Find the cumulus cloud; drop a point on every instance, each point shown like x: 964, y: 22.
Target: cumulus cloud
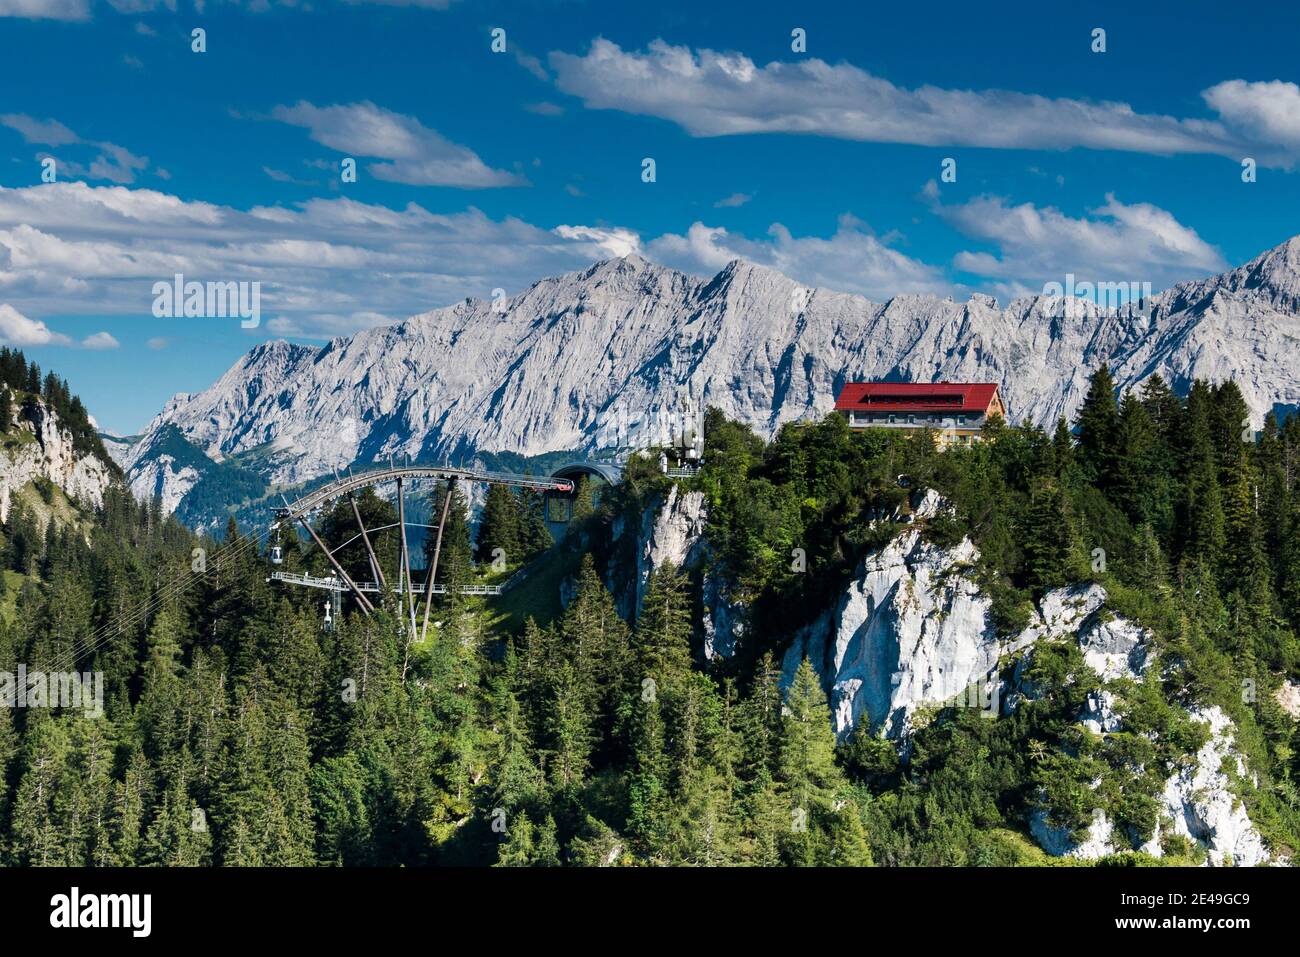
x: 717, y: 94
x: 1267, y: 114
x: 99, y: 341
x: 327, y: 266
x: 853, y: 259
x: 18, y: 330
x: 413, y: 153
x: 1116, y: 242
x: 610, y: 243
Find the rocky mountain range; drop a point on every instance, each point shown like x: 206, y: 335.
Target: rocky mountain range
x: 608, y: 357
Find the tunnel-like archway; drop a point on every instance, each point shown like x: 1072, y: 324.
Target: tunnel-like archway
x: 559, y: 504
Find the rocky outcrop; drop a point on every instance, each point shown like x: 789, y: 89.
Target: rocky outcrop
x: 43, y: 449
x: 912, y: 632
x: 1288, y: 697
x: 725, y: 618
x: 670, y: 532
x: 911, y: 629
x: 1198, y: 803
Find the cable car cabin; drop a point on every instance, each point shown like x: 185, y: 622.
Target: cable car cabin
x: 277, y: 557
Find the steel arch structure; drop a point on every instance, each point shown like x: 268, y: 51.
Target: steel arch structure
x: 342, y: 485
x: 405, y: 588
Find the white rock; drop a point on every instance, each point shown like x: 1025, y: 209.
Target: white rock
x: 1057, y: 841
x: 1288, y: 696
x: 83, y: 478
x: 670, y: 533
x: 1114, y: 649
x: 1200, y: 803
x: 911, y: 629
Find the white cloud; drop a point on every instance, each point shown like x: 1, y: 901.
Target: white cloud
x: 18, y: 330
x: 614, y: 243
x: 46, y: 9
x: 851, y: 260
x: 544, y: 109
x: 1116, y: 242
x: 414, y: 154
x: 717, y: 94
x: 735, y: 199
x: 112, y: 162
x: 327, y: 266
x: 99, y: 341
x: 1266, y: 113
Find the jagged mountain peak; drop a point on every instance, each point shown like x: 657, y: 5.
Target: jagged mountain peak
x: 574, y: 361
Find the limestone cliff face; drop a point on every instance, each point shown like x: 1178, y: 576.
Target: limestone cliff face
x: 912, y: 632
x: 911, y: 629
x: 672, y: 532
x: 44, y: 449
x: 1197, y: 803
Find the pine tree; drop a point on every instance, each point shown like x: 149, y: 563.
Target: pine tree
x: 595, y: 640
x: 568, y: 730
x: 519, y: 849
x: 649, y: 804
x: 1047, y: 538
x: 584, y: 502
x: 500, y: 527
x: 1063, y: 451
x: 661, y: 645
x: 807, y: 750
x: 1139, y: 488
x: 847, y: 841
x: 534, y: 535
x: 1098, y: 424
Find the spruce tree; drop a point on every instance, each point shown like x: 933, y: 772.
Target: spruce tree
x: 1098, y: 425
x: 661, y: 645
x: 500, y: 527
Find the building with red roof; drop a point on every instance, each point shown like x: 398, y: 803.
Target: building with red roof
x: 956, y: 411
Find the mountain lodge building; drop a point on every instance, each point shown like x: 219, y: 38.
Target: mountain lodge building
x: 956, y: 411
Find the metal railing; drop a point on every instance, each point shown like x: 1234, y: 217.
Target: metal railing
x: 337, y: 584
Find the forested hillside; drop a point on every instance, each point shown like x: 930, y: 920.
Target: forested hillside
x: 239, y: 730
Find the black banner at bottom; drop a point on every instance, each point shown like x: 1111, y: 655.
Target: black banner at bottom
x: 337, y: 906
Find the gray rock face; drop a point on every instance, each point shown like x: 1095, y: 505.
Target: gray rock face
x: 910, y: 630
x: 45, y: 450
x: 1200, y: 804
x: 603, y: 357
x: 670, y: 533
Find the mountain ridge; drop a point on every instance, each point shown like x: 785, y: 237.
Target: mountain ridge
x: 575, y: 360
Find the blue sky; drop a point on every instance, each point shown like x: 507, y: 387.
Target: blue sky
x: 481, y: 170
